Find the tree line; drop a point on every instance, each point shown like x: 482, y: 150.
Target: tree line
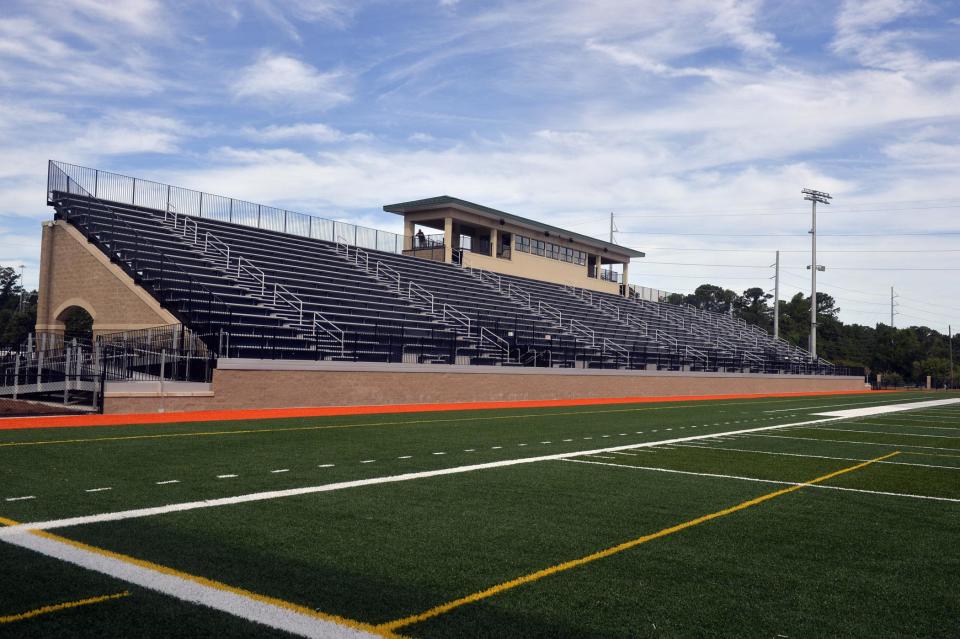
x: 900, y: 355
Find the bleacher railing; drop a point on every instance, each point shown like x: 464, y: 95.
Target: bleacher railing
x: 175, y: 289
x: 124, y: 189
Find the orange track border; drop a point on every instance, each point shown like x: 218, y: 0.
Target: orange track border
x: 78, y: 421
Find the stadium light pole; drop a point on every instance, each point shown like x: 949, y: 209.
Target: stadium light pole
x: 822, y: 198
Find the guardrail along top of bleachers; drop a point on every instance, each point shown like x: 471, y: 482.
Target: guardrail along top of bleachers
x: 124, y: 189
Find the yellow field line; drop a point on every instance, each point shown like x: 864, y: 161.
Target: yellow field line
x: 203, y: 581
x: 540, y: 574
x: 63, y: 606
x: 341, y: 426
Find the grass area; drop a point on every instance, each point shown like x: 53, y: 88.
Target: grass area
x: 874, y: 559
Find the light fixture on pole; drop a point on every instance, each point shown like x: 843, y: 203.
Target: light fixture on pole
x: 822, y: 198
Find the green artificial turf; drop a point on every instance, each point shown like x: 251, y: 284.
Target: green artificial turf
x: 815, y: 562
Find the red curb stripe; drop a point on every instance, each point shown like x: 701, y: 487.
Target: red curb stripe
x: 78, y: 421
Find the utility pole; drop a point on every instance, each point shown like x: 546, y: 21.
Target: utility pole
x: 822, y: 198
x: 776, y: 297
x: 612, y: 228
x: 22, y: 291
x: 950, y: 344
x: 893, y: 305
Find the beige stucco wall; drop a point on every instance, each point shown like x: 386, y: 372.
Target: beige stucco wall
x: 540, y: 268
x: 523, y: 264
x: 73, y: 272
x: 371, y: 384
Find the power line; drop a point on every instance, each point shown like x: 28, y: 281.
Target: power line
x: 949, y: 308
x: 885, y: 268
x: 795, y: 268
x: 899, y: 234
x: 733, y: 250
x: 782, y: 213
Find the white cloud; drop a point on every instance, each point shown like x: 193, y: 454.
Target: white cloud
x: 281, y: 78
x: 631, y: 58
x: 286, y: 13
x: 862, y: 32
x: 313, y: 132
x: 131, y: 132
x: 38, y: 57
x: 142, y: 17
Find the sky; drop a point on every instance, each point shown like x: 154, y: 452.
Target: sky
x: 695, y: 122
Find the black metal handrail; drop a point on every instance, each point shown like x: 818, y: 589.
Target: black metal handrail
x: 170, y: 278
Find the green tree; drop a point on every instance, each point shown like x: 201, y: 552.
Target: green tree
x: 18, y: 308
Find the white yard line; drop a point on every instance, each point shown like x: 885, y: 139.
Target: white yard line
x: 169, y: 481
x: 885, y: 432
x: 770, y: 452
x: 923, y: 419
x: 766, y: 481
x: 292, y: 492
x: 908, y: 425
x: 24, y: 498
x: 851, y: 441
x: 97, y: 490
x: 240, y: 605
x: 357, y: 483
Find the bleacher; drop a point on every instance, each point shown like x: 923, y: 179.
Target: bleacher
x: 254, y: 292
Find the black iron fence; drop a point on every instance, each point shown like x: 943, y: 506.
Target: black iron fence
x: 46, y: 376
x: 498, y: 342
x: 165, y: 353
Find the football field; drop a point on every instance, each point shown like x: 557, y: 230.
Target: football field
x: 834, y: 515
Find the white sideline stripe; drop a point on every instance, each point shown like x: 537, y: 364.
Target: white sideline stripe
x: 190, y: 591
x: 766, y: 481
x: 874, y: 402
x: 851, y: 441
x: 281, y: 470
x: 880, y: 410
x: 169, y: 481
x: 389, y: 479
x: 25, y: 497
x: 97, y: 490
x: 326, y: 465
x: 770, y: 452
x: 226, y: 476
x: 356, y: 483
